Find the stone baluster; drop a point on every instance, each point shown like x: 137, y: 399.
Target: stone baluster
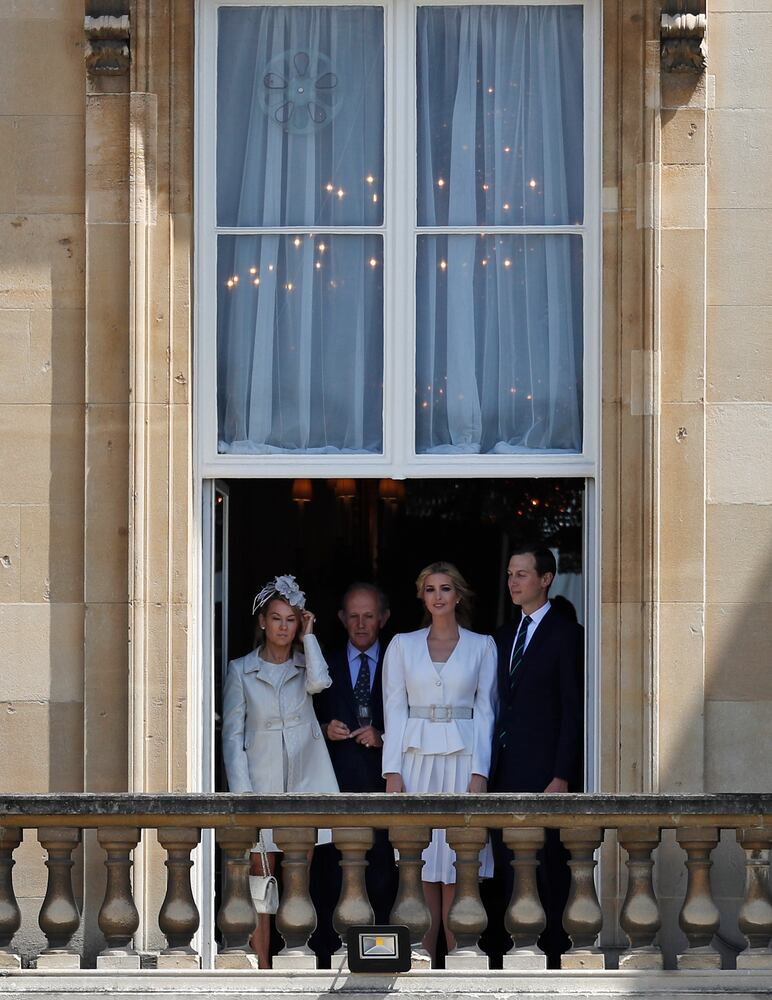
x: 525, y: 918
x: 296, y: 919
x: 699, y: 916
x: 178, y: 917
x: 10, y: 914
x: 410, y: 908
x: 59, y: 917
x: 236, y: 917
x: 467, y: 918
x: 118, y: 917
x: 640, y: 918
x: 583, y: 917
x: 353, y: 905
x: 755, y: 918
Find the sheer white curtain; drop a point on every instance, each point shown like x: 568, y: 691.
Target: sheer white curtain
x: 300, y: 143
x: 500, y: 143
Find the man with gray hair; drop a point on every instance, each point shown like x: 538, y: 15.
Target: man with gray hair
x: 350, y: 713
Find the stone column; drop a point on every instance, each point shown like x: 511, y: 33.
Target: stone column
x: 178, y: 917
x: 10, y: 914
x: 467, y: 918
x: 640, y: 918
x: 699, y: 916
x: 755, y: 919
x: 296, y: 919
x: 353, y: 906
x: 409, y: 907
x: 236, y: 917
x: 583, y: 917
x: 59, y: 917
x: 118, y: 917
x: 525, y: 918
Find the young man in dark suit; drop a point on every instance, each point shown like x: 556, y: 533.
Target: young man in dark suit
x: 350, y: 713
x: 539, y: 730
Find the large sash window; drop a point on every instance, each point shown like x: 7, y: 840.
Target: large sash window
x: 397, y: 235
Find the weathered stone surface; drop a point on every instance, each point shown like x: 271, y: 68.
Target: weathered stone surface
x: 737, y: 39
x: 739, y: 634
x: 29, y: 633
x: 316, y: 985
x: 739, y: 468
x: 724, y: 766
x: 682, y: 503
x: 739, y: 266
x: 739, y: 376
x: 47, y: 458
x: 683, y: 136
x: 407, y: 810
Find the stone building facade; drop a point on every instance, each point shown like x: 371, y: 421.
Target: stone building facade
x: 100, y: 489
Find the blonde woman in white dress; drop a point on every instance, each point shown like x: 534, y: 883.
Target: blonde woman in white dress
x: 439, y: 690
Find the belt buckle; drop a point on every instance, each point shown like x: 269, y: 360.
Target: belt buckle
x: 440, y: 713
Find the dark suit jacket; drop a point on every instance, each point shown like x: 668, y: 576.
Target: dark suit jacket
x: 538, y: 734
x: 357, y: 768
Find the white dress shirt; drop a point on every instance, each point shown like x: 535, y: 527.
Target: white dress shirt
x: 354, y: 662
x: 536, y: 617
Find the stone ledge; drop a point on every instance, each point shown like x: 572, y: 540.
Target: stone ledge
x: 223, y: 809
x: 241, y: 985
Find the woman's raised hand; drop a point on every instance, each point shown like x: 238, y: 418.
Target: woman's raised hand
x: 308, y: 623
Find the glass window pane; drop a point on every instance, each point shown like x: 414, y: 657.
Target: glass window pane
x: 499, y: 344
x: 500, y: 115
x: 300, y: 116
x: 300, y: 344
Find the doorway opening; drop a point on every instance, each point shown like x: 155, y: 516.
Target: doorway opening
x: 331, y: 532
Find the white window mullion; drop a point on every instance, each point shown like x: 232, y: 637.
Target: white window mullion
x: 400, y: 216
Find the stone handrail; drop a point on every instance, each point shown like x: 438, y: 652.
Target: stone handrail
x: 581, y: 820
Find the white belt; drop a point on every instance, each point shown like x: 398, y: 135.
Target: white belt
x: 440, y: 713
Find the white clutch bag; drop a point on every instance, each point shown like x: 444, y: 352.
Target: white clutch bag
x: 264, y: 888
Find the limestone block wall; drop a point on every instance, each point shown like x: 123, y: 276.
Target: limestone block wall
x: 42, y: 411
x: 738, y: 389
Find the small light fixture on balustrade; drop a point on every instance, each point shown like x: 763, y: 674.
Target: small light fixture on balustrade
x: 302, y: 491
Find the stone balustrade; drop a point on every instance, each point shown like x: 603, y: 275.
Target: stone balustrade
x: 121, y: 821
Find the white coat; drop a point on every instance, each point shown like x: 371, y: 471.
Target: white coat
x: 265, y: 725
x: 466, y: 680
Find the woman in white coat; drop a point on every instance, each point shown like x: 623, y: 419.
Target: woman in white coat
x: 439, y: 690
x: 271, y: 739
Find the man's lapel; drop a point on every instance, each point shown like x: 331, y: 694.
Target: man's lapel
x: 343, y: 683
x: 505, y: 639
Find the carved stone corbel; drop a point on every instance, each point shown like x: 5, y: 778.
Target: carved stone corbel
x: 682, y: 32
x: 108, y: 34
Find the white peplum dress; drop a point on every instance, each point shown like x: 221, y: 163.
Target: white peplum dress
x: 439, y: 756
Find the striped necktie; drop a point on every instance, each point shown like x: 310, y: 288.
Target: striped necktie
x: 519, y: 650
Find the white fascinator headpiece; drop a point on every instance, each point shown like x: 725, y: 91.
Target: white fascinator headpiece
x: 285, y: 587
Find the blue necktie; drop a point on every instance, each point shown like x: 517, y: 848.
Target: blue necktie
x: 519, y: 650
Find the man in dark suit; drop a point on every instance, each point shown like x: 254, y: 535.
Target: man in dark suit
x: 350, y: 713
x: 538, y: 733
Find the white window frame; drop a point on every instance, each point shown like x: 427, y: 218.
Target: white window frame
x: 399, y: 459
